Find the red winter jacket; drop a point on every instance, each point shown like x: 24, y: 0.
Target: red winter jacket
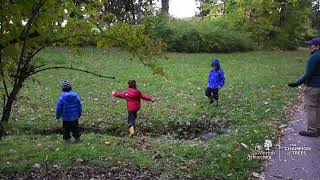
x: 133, y: 97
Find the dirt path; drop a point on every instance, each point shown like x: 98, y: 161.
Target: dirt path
x: 298, y: 157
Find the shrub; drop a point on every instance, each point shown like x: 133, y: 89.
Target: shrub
x: 198, y: 35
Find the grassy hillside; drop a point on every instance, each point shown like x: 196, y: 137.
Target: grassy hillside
x: 169, y: 141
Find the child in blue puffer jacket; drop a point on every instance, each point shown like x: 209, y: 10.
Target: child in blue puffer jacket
x: 215, y: 81
x: 69, y: 108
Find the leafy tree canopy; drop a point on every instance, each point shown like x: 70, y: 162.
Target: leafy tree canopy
x: 27, y: 27
x: 281, y: 23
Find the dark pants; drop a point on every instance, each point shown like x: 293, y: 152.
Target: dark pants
x: 132, y: 115
x: 71, y: 126
x: 212, y: 94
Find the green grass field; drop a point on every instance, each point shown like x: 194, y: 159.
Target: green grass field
x: 250, y: 111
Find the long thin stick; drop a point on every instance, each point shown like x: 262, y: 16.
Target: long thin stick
x: 70, y: 68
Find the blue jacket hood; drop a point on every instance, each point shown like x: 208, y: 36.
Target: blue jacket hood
x: 216, y: 63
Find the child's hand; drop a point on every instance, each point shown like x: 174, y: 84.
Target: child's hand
x: 113, y: 92
x: 293, y: 85
x: 155, y: 100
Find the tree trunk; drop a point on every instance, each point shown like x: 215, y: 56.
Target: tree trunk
x: 8, y: 106
x: 283, y: 13
x: 1, y: 130
x: 165, y: 6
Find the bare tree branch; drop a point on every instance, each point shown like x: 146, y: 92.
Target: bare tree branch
x: 25, y: 32
x: 3, y: 101
x: 3, y: 78
x: 35, y: 11
x: 4, y: 84
x: 39, y: 66
x: 70, y: 68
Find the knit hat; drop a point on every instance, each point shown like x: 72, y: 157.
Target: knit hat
x: 66, y: 84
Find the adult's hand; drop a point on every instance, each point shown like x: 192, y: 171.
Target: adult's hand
x: 293, y: 85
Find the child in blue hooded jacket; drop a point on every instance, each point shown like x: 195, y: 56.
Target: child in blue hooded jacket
x: 69, y: 108
x: 215, y: 81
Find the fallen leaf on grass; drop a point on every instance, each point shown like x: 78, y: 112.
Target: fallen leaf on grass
x: 283, y: 126
x: 108, y: 159
x: 244, y: 145
x: 156, y: 155
x: 107, y: 143
x: 257, y: 175
x: 36, y: 166
x: 79, y: 161
x: 193, y: 145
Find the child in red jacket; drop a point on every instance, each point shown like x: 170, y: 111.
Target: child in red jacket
x: 132, y: 95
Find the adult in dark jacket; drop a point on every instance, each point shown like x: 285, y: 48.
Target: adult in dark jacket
x: 311, y: 79
x: 69, y: 108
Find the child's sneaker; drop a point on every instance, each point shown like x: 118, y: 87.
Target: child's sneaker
x: 131, y: 132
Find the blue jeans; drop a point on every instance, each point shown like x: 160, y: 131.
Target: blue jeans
x: 132, y: 115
